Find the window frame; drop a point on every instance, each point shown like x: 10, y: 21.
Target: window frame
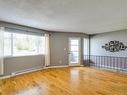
x: 12, y: 47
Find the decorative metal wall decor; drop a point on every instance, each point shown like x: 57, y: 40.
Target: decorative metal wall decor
x: 114, y: 46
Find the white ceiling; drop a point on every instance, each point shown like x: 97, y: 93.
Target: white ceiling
x: 87, y: 16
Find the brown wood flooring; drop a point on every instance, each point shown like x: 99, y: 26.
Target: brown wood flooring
x: 66, y: 81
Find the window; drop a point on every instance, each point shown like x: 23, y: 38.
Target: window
x: 7, y: 44
x: 17, y: 44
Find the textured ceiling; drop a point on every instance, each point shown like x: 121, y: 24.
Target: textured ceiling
x: 87, y: 16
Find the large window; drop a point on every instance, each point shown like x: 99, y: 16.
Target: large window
x: 16, y: 44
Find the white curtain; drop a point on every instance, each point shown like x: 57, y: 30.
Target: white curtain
x: 86, y: 46
x: 47, y: 50
x: 1, y: 50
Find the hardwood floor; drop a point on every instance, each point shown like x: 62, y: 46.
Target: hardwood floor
x: 66, y: 81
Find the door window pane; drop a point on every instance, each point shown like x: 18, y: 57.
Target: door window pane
x: 74, y: 48
x: 74, y: 42
x: 74, y: 57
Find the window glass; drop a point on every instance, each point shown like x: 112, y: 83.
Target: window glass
x: 24, y: 44
x: 16, y: 44
x: 41, y: 45
x: 7, y: 44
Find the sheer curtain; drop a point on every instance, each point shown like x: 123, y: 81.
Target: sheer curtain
x: 47, y: 50
x: 1, y: 50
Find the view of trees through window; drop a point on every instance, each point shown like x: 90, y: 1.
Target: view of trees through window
x: 23, y: 44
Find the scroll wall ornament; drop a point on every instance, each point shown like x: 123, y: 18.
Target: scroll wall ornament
x: 114, y: 46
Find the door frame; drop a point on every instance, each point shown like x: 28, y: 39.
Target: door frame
x: 78, y: 64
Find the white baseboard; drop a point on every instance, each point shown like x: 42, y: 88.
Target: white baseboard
x: 76, y: 65
x: 55, y: 67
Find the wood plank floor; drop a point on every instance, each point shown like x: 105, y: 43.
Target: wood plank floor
x: 66, y: 81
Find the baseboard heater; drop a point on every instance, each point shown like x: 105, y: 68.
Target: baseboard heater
x: 26, y: 71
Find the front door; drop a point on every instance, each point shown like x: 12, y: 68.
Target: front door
x: 74, y: 51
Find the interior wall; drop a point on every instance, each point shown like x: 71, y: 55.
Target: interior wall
x: 59, y: 56
x: 99, y: 40
x: 13, y: 64
x: 60, y: 48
